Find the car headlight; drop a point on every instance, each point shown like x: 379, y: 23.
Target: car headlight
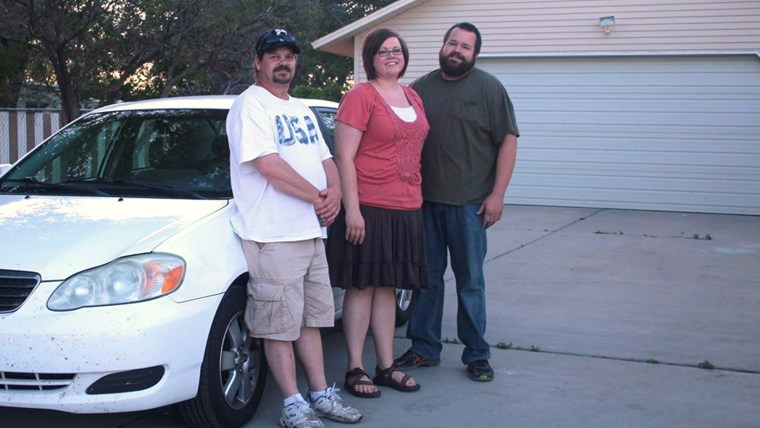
x: 127, y: 280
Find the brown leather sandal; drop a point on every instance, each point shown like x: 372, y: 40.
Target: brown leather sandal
x: 354, y: 379
x: 385, y: 378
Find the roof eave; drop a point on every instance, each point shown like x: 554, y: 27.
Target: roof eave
x: 341, y: 41
x: 343, y: 47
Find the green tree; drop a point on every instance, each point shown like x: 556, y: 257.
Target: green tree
x: 124, y: 49
x: 325, y: 75
x: 195, y: 47
x: 53, y: 29
x: 110, y: 50
x: 13, y: 56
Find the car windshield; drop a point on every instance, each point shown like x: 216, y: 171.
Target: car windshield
x: 151, y: 153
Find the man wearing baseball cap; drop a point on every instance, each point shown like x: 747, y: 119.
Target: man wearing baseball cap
x: 287, y: 191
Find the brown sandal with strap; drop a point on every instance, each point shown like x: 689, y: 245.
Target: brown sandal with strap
x: 354, y: 379
x: 385, y: 378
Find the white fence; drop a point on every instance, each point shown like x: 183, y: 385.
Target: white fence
x: 22, y: 130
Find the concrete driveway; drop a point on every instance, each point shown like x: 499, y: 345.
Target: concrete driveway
x: 598, y: 318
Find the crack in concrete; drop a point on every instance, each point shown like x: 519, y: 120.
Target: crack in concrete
x: 634, y: 360
x: 572, y: 223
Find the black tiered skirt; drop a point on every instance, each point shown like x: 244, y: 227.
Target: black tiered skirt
x: 392, y: 254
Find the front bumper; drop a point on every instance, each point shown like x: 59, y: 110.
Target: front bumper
x: 61, y: 354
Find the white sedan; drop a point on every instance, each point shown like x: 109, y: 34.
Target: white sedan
x: 122, y: 284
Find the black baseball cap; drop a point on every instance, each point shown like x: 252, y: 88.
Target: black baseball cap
x: 275, y: 38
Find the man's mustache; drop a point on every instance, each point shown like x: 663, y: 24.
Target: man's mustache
x: 456, y: 55
x: 282, y: 67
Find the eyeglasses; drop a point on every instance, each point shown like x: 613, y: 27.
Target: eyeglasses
x: 386, y: 52
x: 271, y: 37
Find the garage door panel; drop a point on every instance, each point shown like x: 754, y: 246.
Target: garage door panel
x: 681, y: 92
x: 650, y: 143
x: 536, y: 131
x: 643, y: 117
x: 703, y: 186
x: 642, y: 199
x: 668, y: 133
x: 716, y: 204
x: 592, y: 169
x: 616, y: 80
x: 655, y: 105
x: 663, y: 159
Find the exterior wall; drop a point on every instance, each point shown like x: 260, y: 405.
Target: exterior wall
x: 543, y: 27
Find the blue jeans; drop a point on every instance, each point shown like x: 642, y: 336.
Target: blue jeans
x: 459, y: 230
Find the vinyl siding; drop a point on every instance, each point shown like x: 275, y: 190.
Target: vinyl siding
x: 572, y: 27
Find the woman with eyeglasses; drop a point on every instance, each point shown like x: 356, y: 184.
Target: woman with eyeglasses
x: 377, y: 243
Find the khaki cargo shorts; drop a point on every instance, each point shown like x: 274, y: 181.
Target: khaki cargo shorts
x: 289, y: 288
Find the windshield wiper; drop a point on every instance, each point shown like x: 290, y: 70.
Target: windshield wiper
x: 163, y: 188
x: 31, y: 182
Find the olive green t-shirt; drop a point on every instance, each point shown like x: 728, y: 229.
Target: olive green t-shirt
x: 469, y: 119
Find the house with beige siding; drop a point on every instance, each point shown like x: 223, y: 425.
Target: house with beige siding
x: 620, y: 104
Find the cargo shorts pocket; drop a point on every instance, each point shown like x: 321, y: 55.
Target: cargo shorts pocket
x: 267, y: 311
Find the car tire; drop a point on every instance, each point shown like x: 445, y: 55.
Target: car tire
x: 403, y: 306
x: 233, y: 372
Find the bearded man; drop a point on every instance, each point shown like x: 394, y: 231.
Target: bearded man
x: 287, y: 191
x: 467, y: 162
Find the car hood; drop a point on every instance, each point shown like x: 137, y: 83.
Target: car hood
x: 58, y: 236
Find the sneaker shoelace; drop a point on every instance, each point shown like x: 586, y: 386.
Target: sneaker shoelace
x: 335, y: 402
x: 331, y: 394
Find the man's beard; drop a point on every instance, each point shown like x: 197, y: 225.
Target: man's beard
x: 282, y: 80
x: 453, y: 70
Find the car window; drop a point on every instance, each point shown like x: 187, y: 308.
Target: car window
x: 140, y: 153
x: 326, y: 116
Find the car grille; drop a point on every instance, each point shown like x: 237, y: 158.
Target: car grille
x: 15, y: 287
x: 11, y: 381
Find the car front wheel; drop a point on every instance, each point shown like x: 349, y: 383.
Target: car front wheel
x: 403, y: 306
x: 233, y: 373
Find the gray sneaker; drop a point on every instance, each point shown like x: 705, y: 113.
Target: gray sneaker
x: 331, y: 406
x: 299, y: 415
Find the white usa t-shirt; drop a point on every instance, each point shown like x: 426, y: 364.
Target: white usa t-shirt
x: 259, y: 124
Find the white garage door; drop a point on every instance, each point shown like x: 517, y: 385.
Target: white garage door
x: 658, y: 133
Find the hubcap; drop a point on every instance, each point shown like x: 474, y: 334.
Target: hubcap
x: 237, y: 362
x: 403, y: 299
